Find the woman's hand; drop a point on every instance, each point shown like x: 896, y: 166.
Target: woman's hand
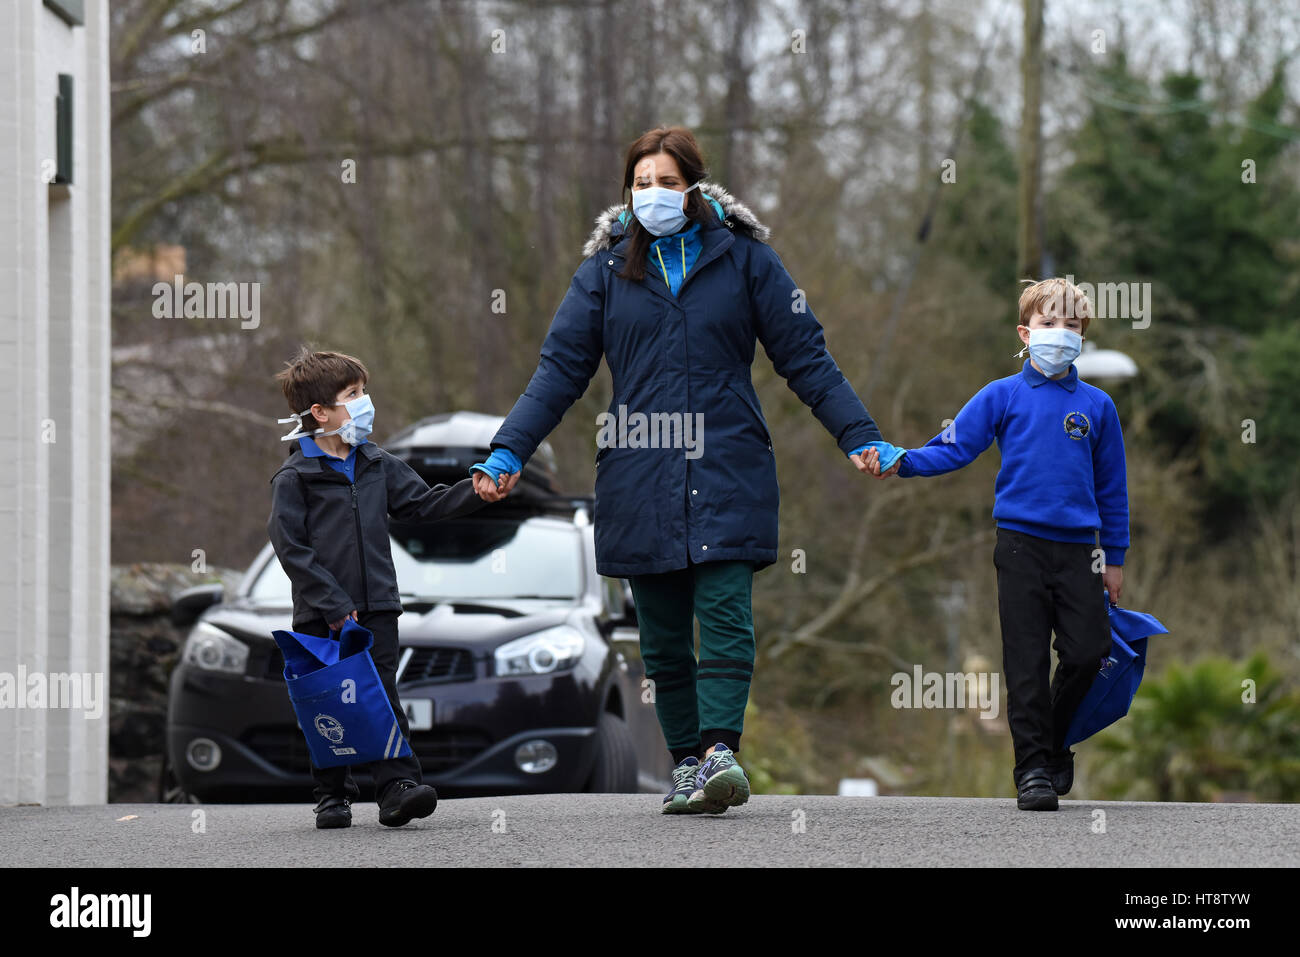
x: 490, y: 491
x: 869, y: 461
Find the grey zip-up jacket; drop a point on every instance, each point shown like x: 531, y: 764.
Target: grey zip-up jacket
x: 331, y: 535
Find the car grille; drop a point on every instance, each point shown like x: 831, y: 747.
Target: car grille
x: 439, y: 664
x: 427, y: 665
x: 439, y: 750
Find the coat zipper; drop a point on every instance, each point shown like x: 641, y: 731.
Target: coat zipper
x: 361, y: 548
x: 721, y: 247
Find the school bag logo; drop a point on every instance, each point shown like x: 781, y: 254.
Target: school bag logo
x: 1076, y: 425
x: 329, y: 728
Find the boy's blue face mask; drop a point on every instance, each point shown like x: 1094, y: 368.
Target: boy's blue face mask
x: 354, y: 431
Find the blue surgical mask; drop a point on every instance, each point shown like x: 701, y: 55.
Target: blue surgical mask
x: 1053, y: 349
x: 659, y: 209
x: 354, y: 431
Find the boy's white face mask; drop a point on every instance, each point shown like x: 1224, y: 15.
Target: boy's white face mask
x: 1053, y: 349
x: 354, y: 431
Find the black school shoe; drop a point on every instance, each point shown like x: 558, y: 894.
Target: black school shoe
x: 1061, y: 769
x: 1035, y: 792
x: 333, y: 812
x: 406, y: 800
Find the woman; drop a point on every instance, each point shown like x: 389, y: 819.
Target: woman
x: 674, y: 293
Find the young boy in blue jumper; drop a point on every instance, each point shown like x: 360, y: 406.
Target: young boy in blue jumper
x: 1062, y: 482
x: 330, y: 505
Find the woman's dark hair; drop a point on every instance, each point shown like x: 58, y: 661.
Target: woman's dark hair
x: 678, y: 143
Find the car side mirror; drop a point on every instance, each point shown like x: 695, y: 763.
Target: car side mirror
x: 192, y: 602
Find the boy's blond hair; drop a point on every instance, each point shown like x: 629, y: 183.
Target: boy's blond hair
x: 1057, y: 298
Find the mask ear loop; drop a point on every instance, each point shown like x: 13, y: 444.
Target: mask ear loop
x: 297, y: 432
x: 1021, y: 353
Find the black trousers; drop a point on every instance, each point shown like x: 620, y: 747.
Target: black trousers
x: 1045, y: 587
x: 338, y: 781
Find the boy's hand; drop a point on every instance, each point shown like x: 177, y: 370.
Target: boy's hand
x: 490, y: 491
x: 1112, y: 579
x: 338, y: 625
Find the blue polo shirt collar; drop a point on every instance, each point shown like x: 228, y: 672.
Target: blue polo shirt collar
x: 348, y: 466
x: 1036, y: 378
x: 312, y: 450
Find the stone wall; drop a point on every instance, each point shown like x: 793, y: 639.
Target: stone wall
x: 143, y: 647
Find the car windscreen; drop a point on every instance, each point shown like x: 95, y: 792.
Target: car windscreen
x: 469, y: 558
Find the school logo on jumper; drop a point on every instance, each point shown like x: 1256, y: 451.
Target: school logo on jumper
x: 1076, y: 425
x: 329, y: 728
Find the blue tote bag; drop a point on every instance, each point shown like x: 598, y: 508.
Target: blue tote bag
x: 340, y: 702
x: 1112, y: 691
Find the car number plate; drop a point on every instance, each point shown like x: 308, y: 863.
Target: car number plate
x: 419, y: 713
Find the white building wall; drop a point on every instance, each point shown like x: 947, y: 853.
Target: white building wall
x: 54, y: 427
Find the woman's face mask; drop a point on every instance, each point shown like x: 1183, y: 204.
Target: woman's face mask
x: 660, y: 209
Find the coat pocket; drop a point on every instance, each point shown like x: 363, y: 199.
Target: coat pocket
x: 752, y: 405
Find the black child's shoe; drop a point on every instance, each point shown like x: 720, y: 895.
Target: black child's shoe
x: 333, y: 812
x: 406, y: 800
x: 1061, y: 768
x: 1035, y: 792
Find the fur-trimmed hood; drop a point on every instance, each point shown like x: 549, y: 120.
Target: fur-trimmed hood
x: 609, y: 231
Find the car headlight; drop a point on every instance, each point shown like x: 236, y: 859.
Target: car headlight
x: 552, y: 649
x: 210, y: 648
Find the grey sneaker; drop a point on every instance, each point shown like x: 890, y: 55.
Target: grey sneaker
x: 722, y: 783
x: 685, y: 777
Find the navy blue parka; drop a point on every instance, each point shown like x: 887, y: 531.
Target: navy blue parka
x: 659, y: 508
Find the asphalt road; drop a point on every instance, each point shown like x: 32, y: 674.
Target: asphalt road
x: 567, y: 830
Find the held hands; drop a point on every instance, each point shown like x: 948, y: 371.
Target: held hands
x: 494, y: 478
x: 490, y: 491
x: 1112, y: 579
x: 869, y: 461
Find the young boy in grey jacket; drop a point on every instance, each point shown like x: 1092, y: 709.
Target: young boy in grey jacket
x: 330, y: 504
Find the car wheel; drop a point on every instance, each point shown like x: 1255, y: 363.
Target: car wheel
x: 169, y: 788
x: 615, y: 769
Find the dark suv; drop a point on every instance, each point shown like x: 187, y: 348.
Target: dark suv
x: 519, y: 667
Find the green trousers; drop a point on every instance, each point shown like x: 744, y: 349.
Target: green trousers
x: 699, y: 703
